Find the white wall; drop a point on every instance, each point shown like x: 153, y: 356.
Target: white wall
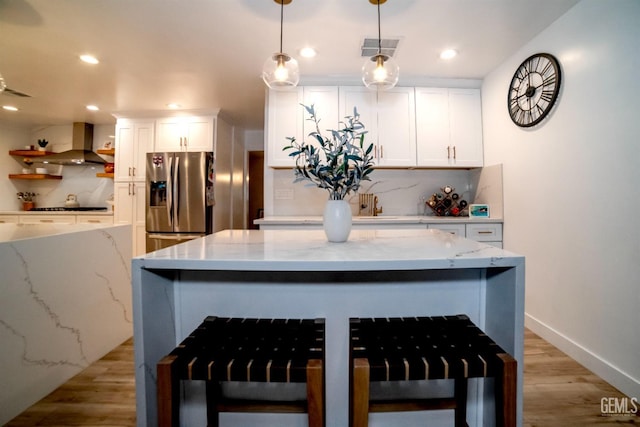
x: 571, y: 188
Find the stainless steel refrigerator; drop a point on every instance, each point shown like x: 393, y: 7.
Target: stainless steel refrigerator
x: 179, y: 197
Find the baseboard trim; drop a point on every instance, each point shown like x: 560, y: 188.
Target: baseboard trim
x: 605, y: 370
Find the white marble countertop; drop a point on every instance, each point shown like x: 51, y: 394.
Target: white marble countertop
x: 386, y: 219
x: 108, y: 212
x: 309, y: 250
x: 13, y: 232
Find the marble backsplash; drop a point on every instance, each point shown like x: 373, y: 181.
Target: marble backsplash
x: 400, y: 192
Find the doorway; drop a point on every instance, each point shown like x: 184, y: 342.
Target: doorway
x: 256, y: 188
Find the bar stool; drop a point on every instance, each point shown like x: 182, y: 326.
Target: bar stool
x: 426, y: 348
x: 233, y: 355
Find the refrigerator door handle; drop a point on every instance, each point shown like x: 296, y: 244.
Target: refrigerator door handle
x: 170, y: 194
x: 176, y: 191
x: 174, y: 237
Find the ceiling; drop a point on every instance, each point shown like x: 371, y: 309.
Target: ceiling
x: 207, y: 54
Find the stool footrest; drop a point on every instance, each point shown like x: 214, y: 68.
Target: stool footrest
x: 430, y: 404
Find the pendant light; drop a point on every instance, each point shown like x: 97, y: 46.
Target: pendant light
x: 281, y: 70
x: 380, y: 72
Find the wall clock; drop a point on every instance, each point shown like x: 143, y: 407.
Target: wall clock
x: 534, y: 89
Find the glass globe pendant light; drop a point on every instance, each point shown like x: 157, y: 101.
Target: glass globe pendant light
x: 380, y: 72
x: 281, y: 70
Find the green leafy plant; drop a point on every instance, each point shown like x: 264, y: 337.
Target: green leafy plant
x: 337, y: 164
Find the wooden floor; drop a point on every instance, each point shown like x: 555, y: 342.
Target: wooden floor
x: 557, y: 392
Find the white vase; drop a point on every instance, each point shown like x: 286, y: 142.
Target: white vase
x: 336, y: 220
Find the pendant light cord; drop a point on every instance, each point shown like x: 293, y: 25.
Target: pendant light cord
x: 379, y: 36
x: 281, y: 21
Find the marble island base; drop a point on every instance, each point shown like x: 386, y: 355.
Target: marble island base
x: 66, y: 302
x: 299, y: 274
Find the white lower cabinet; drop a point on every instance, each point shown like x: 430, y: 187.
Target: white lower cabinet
x: 129, y: 201
x: 9, y: 219
x: 457, y: 229
x: 94, y: 219
x: 47, y: 219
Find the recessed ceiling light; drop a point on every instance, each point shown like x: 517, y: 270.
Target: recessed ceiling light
x: 89, y: 59
x: 92, y: 108
x: 173, y: 106
x: 448, y: 54
x: 10, y: 108
x: 308, y: 52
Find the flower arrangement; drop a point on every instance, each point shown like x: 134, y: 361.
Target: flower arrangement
x: 337, y: 164
x: 42, y: 143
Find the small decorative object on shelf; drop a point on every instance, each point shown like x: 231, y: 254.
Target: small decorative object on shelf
x: 337, y: 164
x: 42, y: 144
x: 447, y: 202
x: 27, y: 200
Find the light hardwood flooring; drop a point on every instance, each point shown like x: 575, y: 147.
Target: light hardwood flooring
x: 557, y: 392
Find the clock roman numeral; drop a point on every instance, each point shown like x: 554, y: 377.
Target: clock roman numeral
x: 547, y: 95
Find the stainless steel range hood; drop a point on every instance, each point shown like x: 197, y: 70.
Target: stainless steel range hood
x: 81, y: 148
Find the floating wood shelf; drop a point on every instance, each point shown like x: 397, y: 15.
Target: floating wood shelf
x: 30, y: 153
x: 109, y: 152
x: 34, y: 176
x: 104, y: 175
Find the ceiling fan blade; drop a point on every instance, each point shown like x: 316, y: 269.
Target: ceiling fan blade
x: 15, y: 93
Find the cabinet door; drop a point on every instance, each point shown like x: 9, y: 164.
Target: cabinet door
x: 284, y: 119
x: 364, y: 100
x: 9, y: 219
x: 325, y: 102
x: 130, y: 208
x: 133, y: 141
x: 466, y: 127
x: 396, y: 127
x: 47, y: 219
x: 188, y: 133
x: 432, y: 127
x: 170, y: 135
x: 198, y: 133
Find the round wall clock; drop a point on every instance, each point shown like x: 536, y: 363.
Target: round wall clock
x: 534, y: 89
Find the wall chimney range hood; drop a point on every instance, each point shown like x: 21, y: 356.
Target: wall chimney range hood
x: 81, y: 148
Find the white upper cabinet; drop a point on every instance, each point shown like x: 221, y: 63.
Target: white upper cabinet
x: 448, y: 127
x: 134, y: 139
x: 284, y: 119
x: 397, y: 127
x: 188, y: 133
x: 389, y: 118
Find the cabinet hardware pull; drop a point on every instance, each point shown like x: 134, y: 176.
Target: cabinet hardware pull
x: 485, y: 232
x: 134, y: 170
x: 129, y: 170
x: 94, y: 221
x: 454, y: 152
x: 382, y: 151
x: 448, y: 152
x: 375, y: 151
x: 46, y: 220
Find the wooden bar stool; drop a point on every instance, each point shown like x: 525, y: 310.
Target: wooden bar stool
x: 426, y: 348
x: 233, y: 355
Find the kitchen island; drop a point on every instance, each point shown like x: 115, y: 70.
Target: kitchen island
x: 296, y: 274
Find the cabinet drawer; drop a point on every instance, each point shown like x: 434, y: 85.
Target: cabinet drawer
x: 457, y: 229
x: 9, y: 219
x: 485, y: 232
x: 47, y: 219
x: 94, y: 219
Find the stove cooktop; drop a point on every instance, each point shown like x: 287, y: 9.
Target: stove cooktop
x: 62, y: 209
